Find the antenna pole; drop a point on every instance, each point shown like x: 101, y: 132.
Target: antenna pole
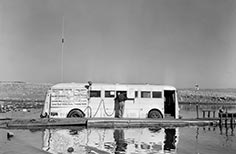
x: 62, y: 50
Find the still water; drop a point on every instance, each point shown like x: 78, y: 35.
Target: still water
x: 182, y: 140
x: 156, y: 140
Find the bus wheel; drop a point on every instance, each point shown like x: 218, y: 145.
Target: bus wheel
x: 154, y: 114
x: 75, y: 114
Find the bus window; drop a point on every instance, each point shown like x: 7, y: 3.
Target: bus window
x: 156, y: 94
x: 145, y: 94
x: 136, y: 94
x: 110, y: 93
x: 95, y: 93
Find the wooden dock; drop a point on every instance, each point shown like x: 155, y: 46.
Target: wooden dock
x: 105, y: 122
x: 115, y: 122
x: 39, y: 123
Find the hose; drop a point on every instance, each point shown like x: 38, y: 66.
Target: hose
x: 90, y: 109
x: 97, y: 108
x: 109, y: 115
x: 102, y: 101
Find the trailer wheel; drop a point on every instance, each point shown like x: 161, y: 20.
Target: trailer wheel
x: 155, y: 114
x: 75, y: 114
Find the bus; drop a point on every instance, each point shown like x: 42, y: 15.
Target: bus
x: 66, y: 100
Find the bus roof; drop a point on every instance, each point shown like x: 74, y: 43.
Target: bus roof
x: 68, y: 85
x: 77, y: 85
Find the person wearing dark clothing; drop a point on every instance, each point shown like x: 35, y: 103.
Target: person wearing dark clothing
x: 116, y: 108
x: 119, y: 105
x: 121, y: 98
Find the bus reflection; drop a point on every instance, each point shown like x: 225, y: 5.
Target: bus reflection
x: 118, y: 140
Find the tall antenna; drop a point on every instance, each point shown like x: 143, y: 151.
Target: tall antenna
x: 62, y: 49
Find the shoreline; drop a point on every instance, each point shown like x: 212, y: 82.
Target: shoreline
x: 180, y: 102
x: 204, y: 103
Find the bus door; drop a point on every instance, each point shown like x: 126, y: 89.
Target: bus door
x: 169, y: 103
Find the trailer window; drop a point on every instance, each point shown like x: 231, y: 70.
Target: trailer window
x: 156, y: 94
x: 145, y: 94
x: 95, y: 93
x: 110, y: 93
x: 136, y: 94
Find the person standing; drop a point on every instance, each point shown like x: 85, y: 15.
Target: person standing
x: 116, y: 108
x: 120, y: 105
x: 122, y: 98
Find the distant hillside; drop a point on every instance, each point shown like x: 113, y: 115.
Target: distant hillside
x: 207, y: 95
x: 23, y: 91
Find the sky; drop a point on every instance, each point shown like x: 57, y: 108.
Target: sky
x: 173, y: 42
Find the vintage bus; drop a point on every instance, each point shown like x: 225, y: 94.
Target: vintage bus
x: 97, y: 100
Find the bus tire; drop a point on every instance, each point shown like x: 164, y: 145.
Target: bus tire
x: 155, y: 114
x: 76, y: 113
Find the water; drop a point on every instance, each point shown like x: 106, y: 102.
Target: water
x: 156, y: 140
x: 182, y: 140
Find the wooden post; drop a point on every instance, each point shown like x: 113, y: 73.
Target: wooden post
x: 226, y: 131
x: 214, y: 112
x: 203, y: 113
x: 197, y: 110
x: 231, y: 121
x: 226, y: 119
x: 220, y: 114
x: 220, y: 122
x: 209, y: 113
x: 220, y: 128
x: 1, y: 107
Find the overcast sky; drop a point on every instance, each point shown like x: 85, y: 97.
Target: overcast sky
x: 174, y: 42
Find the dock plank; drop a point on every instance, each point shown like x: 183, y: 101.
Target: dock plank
x: 96, y: 122
x: 106, y: 122
x: 29, y: 123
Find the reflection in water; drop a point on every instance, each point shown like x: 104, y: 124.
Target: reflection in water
x: 132, y: 140
x: 225, y: 133
x: 169, y: 143
x: 121, y: 146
